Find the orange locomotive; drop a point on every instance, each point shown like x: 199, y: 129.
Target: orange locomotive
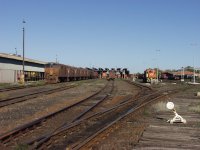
x: 150, y: 75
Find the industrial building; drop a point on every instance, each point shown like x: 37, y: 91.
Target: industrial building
x: 11, y: 68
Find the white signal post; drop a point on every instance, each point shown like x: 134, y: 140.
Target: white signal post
x: 157, y: 64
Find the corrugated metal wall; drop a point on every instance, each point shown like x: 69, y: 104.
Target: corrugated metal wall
x: 20, y: 67
x: 11, y: 69
x: 7, y: 76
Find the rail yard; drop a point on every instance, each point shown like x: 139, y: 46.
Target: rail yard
x: 99, y: 104
x: 67, y: 107
x: 100, y: 75
x: 98, y: 114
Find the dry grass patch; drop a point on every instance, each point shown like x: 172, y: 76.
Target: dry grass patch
x: 3, y: 96
x: 195, y: 108
x: 160, y: 107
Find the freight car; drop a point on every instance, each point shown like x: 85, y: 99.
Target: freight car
x: 55, y: 73
x: 150, y: 75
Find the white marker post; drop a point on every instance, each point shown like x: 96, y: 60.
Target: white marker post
x: 177, y: 118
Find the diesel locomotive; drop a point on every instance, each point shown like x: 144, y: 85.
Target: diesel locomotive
x: 150, y: 75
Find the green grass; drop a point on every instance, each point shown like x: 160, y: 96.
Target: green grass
x: 35, y: 83
x: 3, y: 96
x: 195, y: 108
x: 198, y: 124
x: 159, y: 107
x: 21, y: 147
x: 3, y: 85
x: 146, y: 112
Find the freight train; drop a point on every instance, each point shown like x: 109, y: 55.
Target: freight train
x: 55, y: 73
x: 150, y: 75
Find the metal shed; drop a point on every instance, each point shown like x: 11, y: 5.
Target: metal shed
x: 11, y: 67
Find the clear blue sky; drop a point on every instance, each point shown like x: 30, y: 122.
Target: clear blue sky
x: 104, y: 33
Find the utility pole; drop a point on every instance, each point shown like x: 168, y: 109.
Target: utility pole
x: 194, y: 44
x: 157, y: 64
x: 16, y: 51
x: 56, y: 58
x: 23, y: 29
x: 194, y: 76
x: 194, y: 71
x: 182, y: 76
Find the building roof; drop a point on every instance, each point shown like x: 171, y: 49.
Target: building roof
x: 185, y: 73
x: 18, y: 57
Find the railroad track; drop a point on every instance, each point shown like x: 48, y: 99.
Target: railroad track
x: 19, y: 87
x: 14, y: 134
x: 17, y: 99
x: 11, y: 88
x: 87, y: 104
x: 84, y: 144
x: 77, y: 131
x: 101, y: 133
x: 80, y: 132
x: 144, y: 88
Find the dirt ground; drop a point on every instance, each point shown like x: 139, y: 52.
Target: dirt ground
x: 162, y: 135
x: 17, y: 114
x: 150, y: 130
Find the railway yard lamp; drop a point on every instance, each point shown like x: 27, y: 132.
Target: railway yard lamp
x: 23, y: 29
x: 182, y: 74
x: 157, y: 66
x: 194, y: 76
x: 194, y: 44
x: 157, y: 75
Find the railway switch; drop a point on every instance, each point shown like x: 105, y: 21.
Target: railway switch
x: 177, y: 118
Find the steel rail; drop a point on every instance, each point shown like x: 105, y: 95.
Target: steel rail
x: 20, y: 87
x: 75, y: 121
x: 107, y: 127
x: 67, y: 127
x: 4, y: 138
x: 134, y: 109
x: 76, y: 118
x: 13, y: 100
x: 11, y: 88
